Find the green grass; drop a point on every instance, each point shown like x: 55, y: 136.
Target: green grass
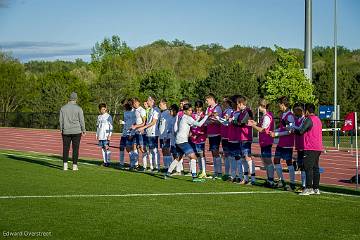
x: 278, y: 215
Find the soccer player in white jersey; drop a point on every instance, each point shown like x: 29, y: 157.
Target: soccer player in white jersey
x: 180, y: 166
x: 140, y: 138
x: 182, y: 141
x: 104, y: 128
x: 152, y: 133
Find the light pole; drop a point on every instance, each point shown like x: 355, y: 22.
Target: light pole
x: 335, y: 65
x: 308, y: 40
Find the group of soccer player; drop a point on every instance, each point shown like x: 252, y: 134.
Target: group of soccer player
x: 182, y: 131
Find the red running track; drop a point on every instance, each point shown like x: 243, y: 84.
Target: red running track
x: 338, y: 166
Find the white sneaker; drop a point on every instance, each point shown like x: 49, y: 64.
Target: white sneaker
x: 316, y: 191
x: 75, y: 167
x: 65, y: 166
x: 307, y: 192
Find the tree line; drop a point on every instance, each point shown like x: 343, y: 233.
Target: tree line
x: 174, y: 70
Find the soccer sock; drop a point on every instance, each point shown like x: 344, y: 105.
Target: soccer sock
x: 246, y: 169
x: 122, y: 157
x: 278, y: 169
x: 215, y: 165
x: 270, y: 172
x: 240, y: 168
x: 252, y: 170
x: 104, y: 155
x: 165, y: 160
x: 158, y: 158
x: 168, y: 161
x: 180, y: 166
x: 227, y: 165
x: 144, y: 159
x: 203, y: 164
x: 233, y: 167
x: 193, y: 167
x: 303, y: 178
x: 131, y: 157
x: 156, y: 162
x: 136, y: 157
x: 173, y: 165
x: 108, y: 155
x: 219, y: 165
x: 150, y: 154
x: 200, y: 164
x: 292, y: 174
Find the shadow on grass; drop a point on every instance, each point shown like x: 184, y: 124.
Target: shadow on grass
x: 327, y: 188
x: 31, y: 160
x: 116, y: 167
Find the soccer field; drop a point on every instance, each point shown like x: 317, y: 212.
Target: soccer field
x: 107, y: 203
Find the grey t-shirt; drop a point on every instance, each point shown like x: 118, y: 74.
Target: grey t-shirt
x: 71, y: 119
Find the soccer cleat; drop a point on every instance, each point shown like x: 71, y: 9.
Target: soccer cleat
x: 269, y: 184
x: 65, y: 166
x: 292, y: 186
x: 121, y: 166
x: 316, y: 191
x: 299, y: 189
x: 244, y: 182
x: 202, y: 175
x: 280, y: 184
x: 75, y: 167
x: 176, y: 174
x: 307, y: 192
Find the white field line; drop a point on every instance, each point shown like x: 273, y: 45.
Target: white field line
x: 158, y: 194
x: 140, y: 194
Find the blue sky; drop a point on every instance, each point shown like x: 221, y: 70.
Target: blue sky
x: 67, y: 29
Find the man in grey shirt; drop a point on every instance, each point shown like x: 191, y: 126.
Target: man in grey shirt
x: 72, y: 127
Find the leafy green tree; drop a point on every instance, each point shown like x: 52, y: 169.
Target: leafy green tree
x: 109, y: 47
x: 14, y: 88
x: 286, y: 78
x: 161, y: 84
x: 229, y: 80
x: 55, y: 89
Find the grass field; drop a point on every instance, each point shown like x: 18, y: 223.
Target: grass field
x: 107, y: 203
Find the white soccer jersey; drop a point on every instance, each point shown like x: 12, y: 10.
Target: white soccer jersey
x: 186, y: 122
x: 153, y: 130
x: 140, y: 114
x: 104, y: 126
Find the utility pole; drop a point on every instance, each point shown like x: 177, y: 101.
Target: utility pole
x: 308, y: 40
